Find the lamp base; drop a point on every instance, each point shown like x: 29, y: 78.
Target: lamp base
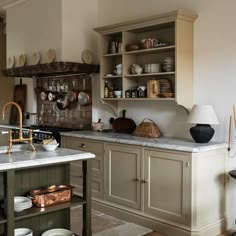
x: 202, y: 133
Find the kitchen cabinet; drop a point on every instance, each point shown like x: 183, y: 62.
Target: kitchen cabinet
x: 166, y: 185
x: 97, y: 165
x: 173, y: 34
x: 177, y: 191
x: 123, y: 172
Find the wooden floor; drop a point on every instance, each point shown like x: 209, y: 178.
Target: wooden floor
x: 228, y: 233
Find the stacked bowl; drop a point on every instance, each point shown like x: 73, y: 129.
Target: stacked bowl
x: 23, y: 232
x: 168, y: 64
x: 22, y: 203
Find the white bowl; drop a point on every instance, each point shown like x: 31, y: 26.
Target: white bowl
x: 118, y: 93
x: 58, y: 232
x: 23, y: 232
x: 50, y: 147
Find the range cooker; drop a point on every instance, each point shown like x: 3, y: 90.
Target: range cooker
x: 43, y: 132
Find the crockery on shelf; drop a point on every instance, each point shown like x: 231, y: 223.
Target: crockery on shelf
x: 35, y: 58
x: 51, y: 55
x: 23, y: 232
x: 22, y: 60
x: 58, y: 232
x: 11, y: 62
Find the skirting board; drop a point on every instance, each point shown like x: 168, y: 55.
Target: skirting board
x: 167, y: 229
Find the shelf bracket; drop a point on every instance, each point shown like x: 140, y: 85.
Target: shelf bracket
x: 113, y: 106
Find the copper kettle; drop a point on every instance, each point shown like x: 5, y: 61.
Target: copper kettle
x: 153, y: 88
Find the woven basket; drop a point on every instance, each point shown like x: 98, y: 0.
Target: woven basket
x: 147, y: 129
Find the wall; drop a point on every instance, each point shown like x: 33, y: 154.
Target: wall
x: 214, y: 53
x: 33, y: 26
x: 214, y: 66
x: 7, y: 84
x: 79, y: 18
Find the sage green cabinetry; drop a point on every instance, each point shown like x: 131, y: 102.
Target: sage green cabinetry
x: 97, y: 165
x: 123, y: 172
x: 177, y: 193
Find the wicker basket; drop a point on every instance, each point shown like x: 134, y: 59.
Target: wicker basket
x: 147, y: 129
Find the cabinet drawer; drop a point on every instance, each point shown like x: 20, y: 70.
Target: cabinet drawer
x: 84, y: 145
x: 97, y: 166
x: 97, y: 184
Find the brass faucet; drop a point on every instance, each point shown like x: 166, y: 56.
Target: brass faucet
x: 20, y: 138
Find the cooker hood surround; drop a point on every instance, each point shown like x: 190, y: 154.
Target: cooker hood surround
x: 51, y: 69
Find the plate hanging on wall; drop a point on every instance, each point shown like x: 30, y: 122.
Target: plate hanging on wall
x: 51, y: 55
x: 22, y: 60
x: 35, y: 58
x: 10, y: 61
x: 87, y: 56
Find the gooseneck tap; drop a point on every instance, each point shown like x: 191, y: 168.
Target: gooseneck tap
x: 20, y: 138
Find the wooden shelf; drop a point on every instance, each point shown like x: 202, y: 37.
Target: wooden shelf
x: 113, y: 76
x: 51, y: 69
x: 112, y: 55
x: 151, y: 50
x: 138, y: 99
x: 34, y: 211
x: 149, y: 74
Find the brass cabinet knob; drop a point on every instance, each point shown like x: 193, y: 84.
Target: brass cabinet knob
x: 137, y: 179
x: 144, y: 181
x: 82, y: 145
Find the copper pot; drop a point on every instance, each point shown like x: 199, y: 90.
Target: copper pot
x: 62, y: 102
x: 43, y: 95
x: 72, y: 95
x: 84, y: 98
x: 52, y: 96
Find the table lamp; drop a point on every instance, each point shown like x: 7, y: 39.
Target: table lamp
x: 203, y: 116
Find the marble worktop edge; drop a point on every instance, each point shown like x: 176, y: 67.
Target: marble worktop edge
x: 23, y: 157
x: 184, y: 145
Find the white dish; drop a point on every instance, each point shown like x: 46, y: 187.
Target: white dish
x: 87, y: 56
x: 10, y: 62
x: 50, y: 147
x: 51, y: 55
x: 22, y: 60
x: 58, y: 232
x: 23, y: 232
x: 35, y: 58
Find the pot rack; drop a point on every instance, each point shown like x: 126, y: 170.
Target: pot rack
x: 51, y: 69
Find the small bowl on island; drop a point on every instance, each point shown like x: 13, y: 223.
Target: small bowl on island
x: 50, y: 144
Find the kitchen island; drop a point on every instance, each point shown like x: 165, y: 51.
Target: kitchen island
x: 24, y: 170
x: 174, y: 186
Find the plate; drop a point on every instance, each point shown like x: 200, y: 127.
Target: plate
x: 35, y: 58
x: 51, y: 55
x: 22, y: 60
x: 87, y: 56
x: 10, y: 62
x: 58, y: 232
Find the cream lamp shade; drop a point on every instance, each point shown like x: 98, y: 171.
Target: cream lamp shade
x: 203, y: 114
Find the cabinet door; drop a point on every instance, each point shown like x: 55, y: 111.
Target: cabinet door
x: 123, y: 174
x: 166, y: 187
x: 77, y: 181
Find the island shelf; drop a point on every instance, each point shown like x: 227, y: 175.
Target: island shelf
x: 29, y: 170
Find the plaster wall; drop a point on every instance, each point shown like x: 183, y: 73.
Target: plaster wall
x: 214, y: 67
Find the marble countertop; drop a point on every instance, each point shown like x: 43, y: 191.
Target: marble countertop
x: 23, y: 157
x: 185, y: 145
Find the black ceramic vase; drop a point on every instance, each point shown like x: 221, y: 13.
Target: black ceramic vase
x: 202, y: 133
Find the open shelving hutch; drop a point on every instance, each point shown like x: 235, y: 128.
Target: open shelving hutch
x: 175, y: 29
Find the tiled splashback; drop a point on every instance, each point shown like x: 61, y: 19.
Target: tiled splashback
x: 75, y: 116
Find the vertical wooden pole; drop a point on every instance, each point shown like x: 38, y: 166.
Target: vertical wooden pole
x: 9, y: 188
x: 87, y: 209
